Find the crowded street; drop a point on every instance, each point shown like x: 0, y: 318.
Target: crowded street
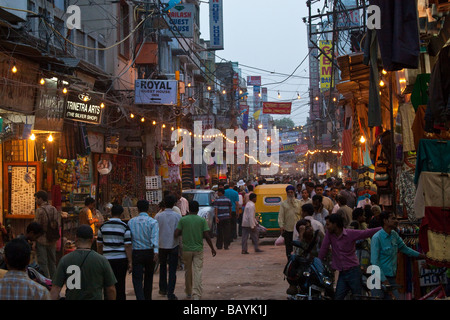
x: 225, y: 158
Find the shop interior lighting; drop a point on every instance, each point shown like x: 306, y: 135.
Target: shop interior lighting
x: 42, y: 81
x: 362, y: 139
x: 131, y: 116
x: 50, y: 138
x: 32, y: 137
x: 64, y: 90
x: 14, y: 69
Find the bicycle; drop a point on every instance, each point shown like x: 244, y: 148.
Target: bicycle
x: 438, y: 292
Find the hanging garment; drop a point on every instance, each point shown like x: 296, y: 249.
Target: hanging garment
x: 406, y: 192
x: 433, y: 190
x: 371, y: 58
x: 398, y: 37
x: 418, y: 125
x: 438, y: 110
x: 407, y: 115
x: 433, y: 155
x: 434, y: 236
x: 347, y: 147
x: 419, y: 95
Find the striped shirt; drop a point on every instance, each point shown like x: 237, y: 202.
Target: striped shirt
x: 114, y: 234
x: 223, y: 206
x: 16, y: 285
x: 144, y: 232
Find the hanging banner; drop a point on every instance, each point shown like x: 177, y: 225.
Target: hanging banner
x: 253, y: 81
x: 301, y: 149
x: 277, y: 107
x: 216, y: 24
x: 325, y: 65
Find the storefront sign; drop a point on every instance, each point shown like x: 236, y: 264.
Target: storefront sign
x: 277, y: 107
x: 84, y: 108
x: 301, y: 149
x: 325, y: 65
x: 112, y: 143
x: 150, y: 91
x: 49, y: 108
x: 216, y: 24
x: 181, y: 20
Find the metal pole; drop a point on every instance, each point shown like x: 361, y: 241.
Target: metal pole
x: 393, y: 151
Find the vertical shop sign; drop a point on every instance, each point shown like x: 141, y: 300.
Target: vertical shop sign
x: 325, y: 65
x: 216, y: 24
x: 181, y: 20
x: 112, y: 143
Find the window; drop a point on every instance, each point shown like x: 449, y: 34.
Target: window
x: 91, y: 53
x: 124, y: 30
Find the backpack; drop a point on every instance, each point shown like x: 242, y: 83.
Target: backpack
x: 52, y: 233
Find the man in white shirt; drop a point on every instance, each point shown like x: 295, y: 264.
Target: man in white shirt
x: 249, y: 225
x: 182, y: 203
x: 168, y: 247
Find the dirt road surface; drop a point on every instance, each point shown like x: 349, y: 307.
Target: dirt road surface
x: 231, y: 275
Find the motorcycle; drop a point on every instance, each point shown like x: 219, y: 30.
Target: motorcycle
x: 312, y: 279
x: 36, y: 276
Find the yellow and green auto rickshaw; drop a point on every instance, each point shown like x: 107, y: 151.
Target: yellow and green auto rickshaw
x: 268, y: 201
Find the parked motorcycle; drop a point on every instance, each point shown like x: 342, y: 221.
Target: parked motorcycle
x: 312, y: 279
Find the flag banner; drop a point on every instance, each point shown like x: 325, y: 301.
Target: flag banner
x: 277, y: 107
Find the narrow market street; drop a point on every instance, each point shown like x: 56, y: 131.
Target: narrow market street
x: 231, y: 275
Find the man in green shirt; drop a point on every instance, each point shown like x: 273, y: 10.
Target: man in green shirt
x: 85, y: 273
x: 193, y: 229
x: 385, y: 245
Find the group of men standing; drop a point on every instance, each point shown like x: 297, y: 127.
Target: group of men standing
x: 134, y: 247
x: 330, y: 217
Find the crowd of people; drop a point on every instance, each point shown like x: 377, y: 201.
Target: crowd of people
x: 332, y: 224
x: 327, y: 220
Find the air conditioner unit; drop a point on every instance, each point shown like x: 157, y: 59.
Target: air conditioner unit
x: 171, y: 76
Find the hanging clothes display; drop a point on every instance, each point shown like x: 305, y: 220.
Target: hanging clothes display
x: 432, y: 155
x: 398, y: 37
x: 418, y: 125
x: 438, y: 107
x: 433, y: 190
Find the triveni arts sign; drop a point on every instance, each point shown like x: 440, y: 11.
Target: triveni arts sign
x: 84, y: 108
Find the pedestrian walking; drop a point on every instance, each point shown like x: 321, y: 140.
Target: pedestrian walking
x: 86, y: 274
x: 16, y: 284
x: 343, y: 254
x: 233, y: 195
x: 145, y: 242
x: 46, y: 246
x: 288, y: 216
x: 193, y: 230
x: 222, y: 210
x: 385, y: 246
x: 320, y: 213
x: 114, y: 243
x: 168, y: 247
x: 250, y: 225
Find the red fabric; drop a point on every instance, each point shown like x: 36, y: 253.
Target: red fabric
x: 435, y: 220
x: 347, y: 147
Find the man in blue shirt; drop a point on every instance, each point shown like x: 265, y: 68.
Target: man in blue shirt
x: 385, y: 245
x: 145, y: 240
x: 233, y: 195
